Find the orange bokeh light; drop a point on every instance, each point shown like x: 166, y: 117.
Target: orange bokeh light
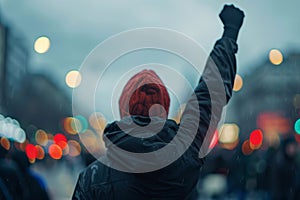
x: 69, y: 124
x: 97, y: 121
x: 66, y: 150
x: 23, y: 145
x: 41, y: 137
x: 74, y: 148
x: 5, y: 143
x: 275, y: 57
x: 246, y: 149
x: 238, y: 83
x: 40, y: 152
x: 55, y: 151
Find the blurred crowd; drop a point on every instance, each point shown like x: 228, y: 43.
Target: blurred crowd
x: 265, y: 174
x: 227, y: 174
x: 17, y: 180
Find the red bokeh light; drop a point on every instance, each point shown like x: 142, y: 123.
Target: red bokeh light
x: 60, y: 140
x: 297, y: 137
x: 271, y: 122
x: 62, y: 144
x: 256, y: 137
x: 214, y: 140
x: 31, y: 151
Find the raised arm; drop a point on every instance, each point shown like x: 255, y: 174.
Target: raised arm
x: 214, y: 89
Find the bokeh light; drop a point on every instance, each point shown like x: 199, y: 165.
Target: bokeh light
x: 256, y: 139
x: 246, y: 149
x: 238, y: 83
x: 50, y: 136
x: 91, y: 142
x: 41, y: 137
x: 273, y: 122
x: 69, y: 124
x: 66, y: 150
x: 214, y: 183
x: 19, y: 135
x: 5, y: 143
x: 60, y: 140
x: 74, y: 125
x: 31, y: 160
x: 229, y: 133
x: 62, y: 144
x: 291, y: 149
x: 31, y: 151
x: 55, y: 151
x: 10, y: 128
x: 275, y: 57
x: 42, y: 44
x: 73, y: 79
x: 88, y: 138
x: 297, y: 137
x: 22, y: 146
x: 40, y: 152
x: 229, y: 146
x: 97, y: 121
x: 214, y: 140
x: 229, y: 136
x: 81, y: 124
x: 297, y: 126
x: 74, y: 148
x: 272, y: 139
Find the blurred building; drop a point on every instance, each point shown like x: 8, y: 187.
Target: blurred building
x: 17, y: 58
x: 32, y: 99
x: 3, y: 32
x: 14, y: 61
x: 39, y: 102
x: 269, y: 99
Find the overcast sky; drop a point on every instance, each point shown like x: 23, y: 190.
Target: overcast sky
x: 75, y: 27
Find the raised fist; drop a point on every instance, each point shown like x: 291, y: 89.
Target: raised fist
x: 232, y: 17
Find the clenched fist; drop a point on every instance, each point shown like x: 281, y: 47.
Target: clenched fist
x: 232, y: 18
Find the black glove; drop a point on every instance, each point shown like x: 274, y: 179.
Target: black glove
x: 232, y: 18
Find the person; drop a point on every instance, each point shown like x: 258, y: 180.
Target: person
x: 145, y: 102
x: 10, y: 178
x: 34, y: 184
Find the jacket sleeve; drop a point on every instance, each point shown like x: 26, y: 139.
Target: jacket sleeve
x: 203, y: 110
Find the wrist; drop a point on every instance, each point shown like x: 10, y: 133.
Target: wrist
x: 231, y: 32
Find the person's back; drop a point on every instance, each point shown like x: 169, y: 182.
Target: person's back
x: 149, y: 156
x: 99, y: 180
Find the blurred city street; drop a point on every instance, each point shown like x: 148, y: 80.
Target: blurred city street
x: 64, y: 64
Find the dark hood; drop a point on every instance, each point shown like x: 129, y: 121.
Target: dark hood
x: 139, y: 135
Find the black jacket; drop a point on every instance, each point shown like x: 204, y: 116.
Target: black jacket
x: 176, y: 180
